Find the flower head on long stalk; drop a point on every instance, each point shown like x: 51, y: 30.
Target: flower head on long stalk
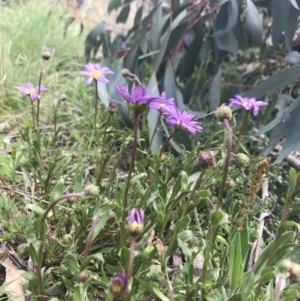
x: 248, y: 103
x: 95, y: 72
x: 183, y: 120
x: 29, y: 89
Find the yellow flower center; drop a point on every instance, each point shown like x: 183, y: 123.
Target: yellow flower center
x: 30, y: 90
x: 161, y: 105
x: 96, y: 73
x: 118, y: 287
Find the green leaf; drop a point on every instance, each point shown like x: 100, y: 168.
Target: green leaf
x: 292, y: 182
x: 158, y: 293
x: 124, y: 256
x: 245, y: 245
x: 287, y: 225
x: 236, y: 297
x: 184, y: 249
x: 235, y: 262
x: 290, y: 26
x: 100, y: 225
x: 281, y: 115
x: 230, y: 18
x: 39, y: 228
x: 57, y: 190
x: 286, y: 130
x: 292, y: 58
x: 138, y: 15
x: 123, y: 16
x: 215, y: 91
x: 157, y: 24
x: 103, y: 94
x: 285, y: 242
x: 93, y: 40
x: 113, y: 4
x: 217, y: 218
x: 68, y: 22
x: 247, y: 286
x: 267, y: 274
x: 153, y: 117
x: 35, y: 208
x: 253, y: 23
x: 280, y: 18
x: 274, y: 83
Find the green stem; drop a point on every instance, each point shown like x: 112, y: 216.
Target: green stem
x: 226, y: 164
x: 149, y: 189
x: 127, y: 185
x: 130, y: 264
x: 241, y: 131
x: 90, y: 236
x: 62, y: 197
x: 33, y: 114
x: 103, y: 164
x: 96, y: 113
x: 191, y: 196
x: 39, y: 92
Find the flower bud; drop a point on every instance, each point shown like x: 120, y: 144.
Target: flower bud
x: 230, y: 183
x: 91, y: 190
x: 83, y: 276
x: 67, y: 238
x: 119, y: 284
x: 46, y: 53
x: 242, y: 160
x: 156, y: 274
x: 206, y: 160
x: 112, y: 107
x: 163, y: 157
x: 223, y: 112
x: 112, y: 217
x: 125, y: 72
x: 136, y: 222
x: 63, y: 97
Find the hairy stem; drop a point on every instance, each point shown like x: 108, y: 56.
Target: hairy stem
x: 241, y: 131
x: 61, y: 198
x: 226, y: 164
x: 149, y: 189
x: 103, y: 164
x: 127, y: 185
x: 90, y: 236
x: 39, y: 92
x: 130, y: 264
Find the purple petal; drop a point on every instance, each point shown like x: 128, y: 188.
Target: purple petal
x: 89, y: 80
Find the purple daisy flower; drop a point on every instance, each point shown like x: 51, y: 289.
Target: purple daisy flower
x: 161, y: 103
x: 138, y: 94
x: 118, y: 284
x: 30, y: 90
x: 183, y: 120
x: 248, y: 103
x: 95, y: 72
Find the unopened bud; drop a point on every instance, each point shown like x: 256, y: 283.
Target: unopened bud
x: 63, y: 97
x: 67, y: 238
x: 206, y: 160
x: 125, y: 72
x: 112, y: 107
x: 230, y: 183
x: 83, y: 276
x: 156, y: 274
x: 91, y: 190
x: 242, y: 160
x: 136, y: 222
x: 46, y: 53
x: 223, y: 112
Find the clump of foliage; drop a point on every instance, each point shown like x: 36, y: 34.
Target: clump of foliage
x: 98, y: 207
